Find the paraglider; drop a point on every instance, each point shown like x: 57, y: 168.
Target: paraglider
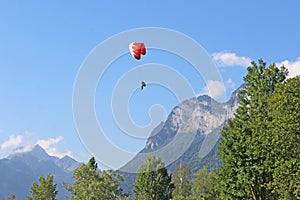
x: 137, y: 49
x: 143, y: 85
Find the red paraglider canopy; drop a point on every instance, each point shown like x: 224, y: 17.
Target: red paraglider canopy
x: 137, y: 49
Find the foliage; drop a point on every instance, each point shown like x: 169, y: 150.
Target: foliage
x: 92, y: 185
x: 46, y: 190
x: 182, y: 182
x: 11, y: 197
x: 285, y: 126
x: 255, y: 144
x: 153, y: 181
x: 204, y: 184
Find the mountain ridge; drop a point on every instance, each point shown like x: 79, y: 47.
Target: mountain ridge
x: 27, y: 166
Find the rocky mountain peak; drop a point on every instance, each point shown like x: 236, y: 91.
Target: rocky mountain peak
x: 35, y: 151
x: 39, y: 152
x: 67, y: 163
x: 202, y: 114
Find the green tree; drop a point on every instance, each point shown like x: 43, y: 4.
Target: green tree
x: 153, y: 181
x: 182, y: 182
x: 285, y: 129
x: 46, y: 190
x: 11, y: 197
x: 91, y: 184
x: 204, y: 184
x: 110, y: 183
x: 247, y: 168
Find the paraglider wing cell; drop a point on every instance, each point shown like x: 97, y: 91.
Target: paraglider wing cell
x: 143, y: 49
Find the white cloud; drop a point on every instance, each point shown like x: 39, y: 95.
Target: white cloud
x: 54, y: 152
x: 292, y: 66
x: 50, y: 147
x: 226, y: 59
x: 22, y: 149
x: 12, y: 142
x: 46, y: 143
x: 26, y: 141
x: 215, y: 89
x: 230, y: 84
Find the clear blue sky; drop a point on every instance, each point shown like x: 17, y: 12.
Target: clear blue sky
x: 43, y: 44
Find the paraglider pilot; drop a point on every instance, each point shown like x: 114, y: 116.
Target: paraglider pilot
x: 143, y: 85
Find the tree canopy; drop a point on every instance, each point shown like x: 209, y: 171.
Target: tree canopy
x: 254, y: 142
x: 91, y: 184
x: 46, y: 190
x: 285, y: 126
x: 153, y: 181
x: 182, y: 182
x: 204, y: 184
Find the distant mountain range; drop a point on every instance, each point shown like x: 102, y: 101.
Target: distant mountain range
x: 20, y: 169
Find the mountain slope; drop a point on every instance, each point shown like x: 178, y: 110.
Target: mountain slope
x: 190, y: 134
x: 20, y: 170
